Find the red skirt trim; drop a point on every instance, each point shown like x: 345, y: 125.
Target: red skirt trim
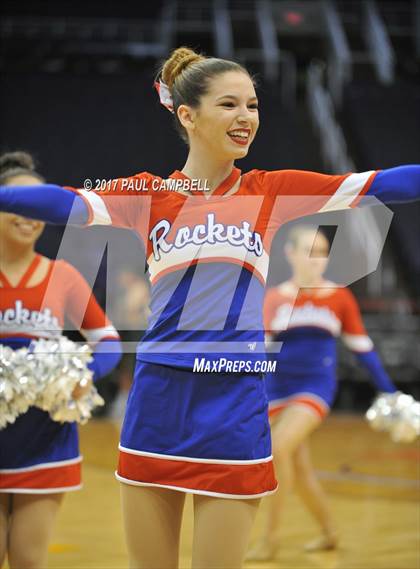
x: 315, y: 404
x: 226, y: 479
x: 48, y: 478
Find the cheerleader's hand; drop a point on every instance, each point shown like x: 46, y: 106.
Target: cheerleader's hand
x: 82, y: 388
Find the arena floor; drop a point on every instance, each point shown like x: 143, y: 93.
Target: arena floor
x: 373, y: 485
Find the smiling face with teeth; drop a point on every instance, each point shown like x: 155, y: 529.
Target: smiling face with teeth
x: 14, y: 229
x: 225, y: 123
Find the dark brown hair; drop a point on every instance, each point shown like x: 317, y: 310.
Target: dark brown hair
x: 187, y: 75
x: 17, y: 164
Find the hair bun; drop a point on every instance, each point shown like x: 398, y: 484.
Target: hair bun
x: 14, y: 160
x: 177, y: 62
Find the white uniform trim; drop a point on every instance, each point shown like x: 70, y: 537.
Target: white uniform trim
x: 41, y: 490
x: 194, y: 491
x: 100, y: 212
x: 358, y: 343
x: 96, y: 334
x: 56, y: 464
x: 347, y: 192
x: 189, y: 459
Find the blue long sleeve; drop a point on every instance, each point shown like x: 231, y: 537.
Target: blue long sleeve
x: 106, y: 356
x: 371, y: 361
x: 54, y: 204
x: 46, y: 202
x: 397, y: 185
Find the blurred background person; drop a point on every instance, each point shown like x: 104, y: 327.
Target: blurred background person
x: 305, y: 315
x: 39, y: 457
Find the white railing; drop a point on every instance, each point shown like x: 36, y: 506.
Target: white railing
x: 378, y: 43
x: 339, y: 61
x: 363, y: 231
x: 278, y: 64
x: 333, y: 145
x: 223, y: 30
x: 268, y: 38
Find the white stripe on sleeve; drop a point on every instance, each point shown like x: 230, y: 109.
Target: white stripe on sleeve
x: 347, y: 192
x: 100, y: 212
x: 97, y: 334
x: 357, y: 343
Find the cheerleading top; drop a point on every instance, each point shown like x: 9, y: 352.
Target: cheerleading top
x: 208, y: 256
x: 306, y: 323
x: 39, y: 311
x: 39, y: 455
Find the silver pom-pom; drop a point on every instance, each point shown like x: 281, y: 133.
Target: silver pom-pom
x: 407, y: 428
x: 15, y: 395
x: 62, y: 365
x: 45, y: 375
x: 79, y: 410
x: 397, y: 413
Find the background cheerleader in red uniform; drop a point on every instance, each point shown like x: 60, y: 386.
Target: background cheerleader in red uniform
x: 39, y: 458
x: 307, y: 314
x: 207, y: 255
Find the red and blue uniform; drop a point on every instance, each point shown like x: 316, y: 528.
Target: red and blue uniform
x: 306, y: 327
x: 37, y: 454
x: 208, y: 262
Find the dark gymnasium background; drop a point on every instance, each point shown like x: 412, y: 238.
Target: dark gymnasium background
x: 339, y: 88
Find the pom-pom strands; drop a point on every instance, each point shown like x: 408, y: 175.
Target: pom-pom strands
x: 397, y: 413
x: 17, y: 392
x: 45, y: 375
